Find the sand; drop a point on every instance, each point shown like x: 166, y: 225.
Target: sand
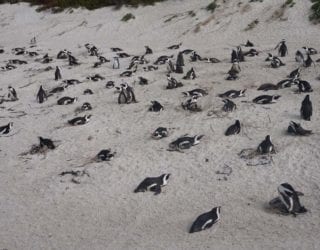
x: 42, y: 210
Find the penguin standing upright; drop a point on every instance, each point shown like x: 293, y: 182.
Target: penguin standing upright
x: 306, y: 108
x: 57, y: 74
x: 41, y: 96
x: 283, y: 50
x: 179, y: 63
x: 116, y: 63
x: 266, y: 146
x: 12, y: 95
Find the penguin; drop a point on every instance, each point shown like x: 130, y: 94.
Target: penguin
x: 58, y: 89
x: 156, y: 107
x: 105, y: 155
x: 110, y: 84
x: 179, y: 69
x: 311, y: 51
x: 66, y: 100
x: 175, y: 46
x: 86, y: 106
x: 148, y: 50
x: 191, y: 104
x: 160, y: 133
x: 46, y: 143
x: 150, y: 68
x: 296, y: 129
x: 190, y: 75
x: 122, y: 98
x: 123, y: 55
x: 295, y: 73
x: 12, y: 95
x: 6, y: 128
x: 195, y: 92
x: 300, y: 55
x: 95, y: 78
x: 211, y: 60
x: 180, y: 60
x: 17, y: 61
x: 286, y: 83
x: 266, y: 99
x: 251, y: 53
x: 235, y: 68
x: 266, y: 146
x: 304, y: 86
x: 88, y: 92
x: 229, y: 105
x: 308, y: 62
x: 116, y: 63
x: 93, y: 51
x: 282, y: 48
x: 41, y: 95
x: 126, y: 94
x: 269, y: 58
x: 185, y: 142
x: 1, y: 51
x: 173, y: 83
x: 233, y: 93
x: 32, y: 53
x: 72, y: 60
x: 102, y: 59
x: 289, y: 197
x: 306, y: 108
x: 162, y: 60
x: 170, y: 66
x: 195, y: 57
x: 153, y: 184
x: 268, y: 86
x: 57, y: 74
x: 232, y: 76
x: 234, y: 129
x: 71, y: 81
x: 234, y: 56
x: 206, y: 220
x: 79, y: 120
x: 128, y: 73
x: 249, y: 44
x: 63, y: 54
x: 115, y: 49
x: 240, y: 55
x: 276, y: 62
x: 143, y: 81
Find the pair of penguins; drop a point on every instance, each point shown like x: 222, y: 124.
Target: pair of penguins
x: 204, y: 221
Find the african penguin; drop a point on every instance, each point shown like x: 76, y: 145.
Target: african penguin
x: 266, y: 99
x: 105, y: 155
x: 196, y: 92
x: 206, y: 220
x: 156, y: 107
x: 79, y: 120
x: 185, y: 142
x: 175, y: 46
x: 88, y: 92
x: 86, y: 106
x: 148, y: 50
x: 282, y: 48
x: 191, y: 104
x: 233, y: 93
x: 153, y: 184
x: 44, y: 142
x: 41, y: 95
x: 268, y: 86
x: 306, y: 108
x: 110, y: 84
x: 304, y: 86
x: 296, y: 129
x: 191, y: 74
x: 229, y: 105
x: 66, y: 100
x: 266, y: 146
x: 57, y: 74
x: 12, y: 95
x: 6, y: 128
x: 234, y: 129
x: 159, y: 133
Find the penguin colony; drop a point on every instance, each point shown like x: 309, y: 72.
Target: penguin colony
x: 288, y: 201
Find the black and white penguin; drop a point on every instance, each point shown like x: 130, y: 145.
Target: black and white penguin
x: 195, y: 57
x: 162, y: 60
x: 105, y: 155
x: 192, y: 104
x: 156, y: 107
x: 282, y: 48
x: 266, y: 99
x: 12, y: 94
x: 206, y: 220
x: 191, y: 74
x: 6, y: 128
x: 276, y: 62
x: 234, y: 129
x: 129, y: 73
x: 308, y: 62
x: 175, y: 46
x: 249, y: 44
x: 86, y: 106
x: 229, y: 105
x: 237, y: 55
x: 304, y: 86
x: 286, y: 83
x: 102, y: 59
x: 295, y: 73
x: 116, y: 63
x: 148, y: 50
x: 88, y: 92
x: 72, y: 60
x: 233, y: 93
x: 195, y: 92
x: 159, y: 133
x: 143, y: 81
x: 211, y: 60
x: 268, y: 86
x: 66, y: 100
x: 17, y: 61
x: 178, y: 69
x: 58, y: 89
x: 173, y: 83
x: 306, y: 108
x: 235, y: 68
x: 110, y: 84
x: 57, y: 74
x: 71, y: 81
x: 311, y: 51
x: 63, y: 54
x: 123, y: 55
x: 115, y: 49
x: 126, y: 94
x: 185, y: 142
x: 266, y: 146
x: 296, y: 129
x: 96, y: 77
x: 289, y: 197
x: 180, y: 60
x: 269, y: 58
x: 32, y: 53
x: 46, y: 143
x: 79, y: 120
x: 41, y: 95
x: 153, y: 184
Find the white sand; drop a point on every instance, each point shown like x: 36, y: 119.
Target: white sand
x: 41, y: 210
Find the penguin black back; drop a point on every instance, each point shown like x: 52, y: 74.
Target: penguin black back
x: 206, y: 220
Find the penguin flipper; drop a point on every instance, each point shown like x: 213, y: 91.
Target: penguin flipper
x: 156, y: 189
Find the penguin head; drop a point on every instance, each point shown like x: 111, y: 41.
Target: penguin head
x: 237, y: 123
x: 268, y: 138
x: 307, y: 98
x: 87, y: 117
x: 165, y: 178
x: 276, y: 97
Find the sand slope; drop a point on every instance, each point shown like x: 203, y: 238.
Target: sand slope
x: 41, y: 210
